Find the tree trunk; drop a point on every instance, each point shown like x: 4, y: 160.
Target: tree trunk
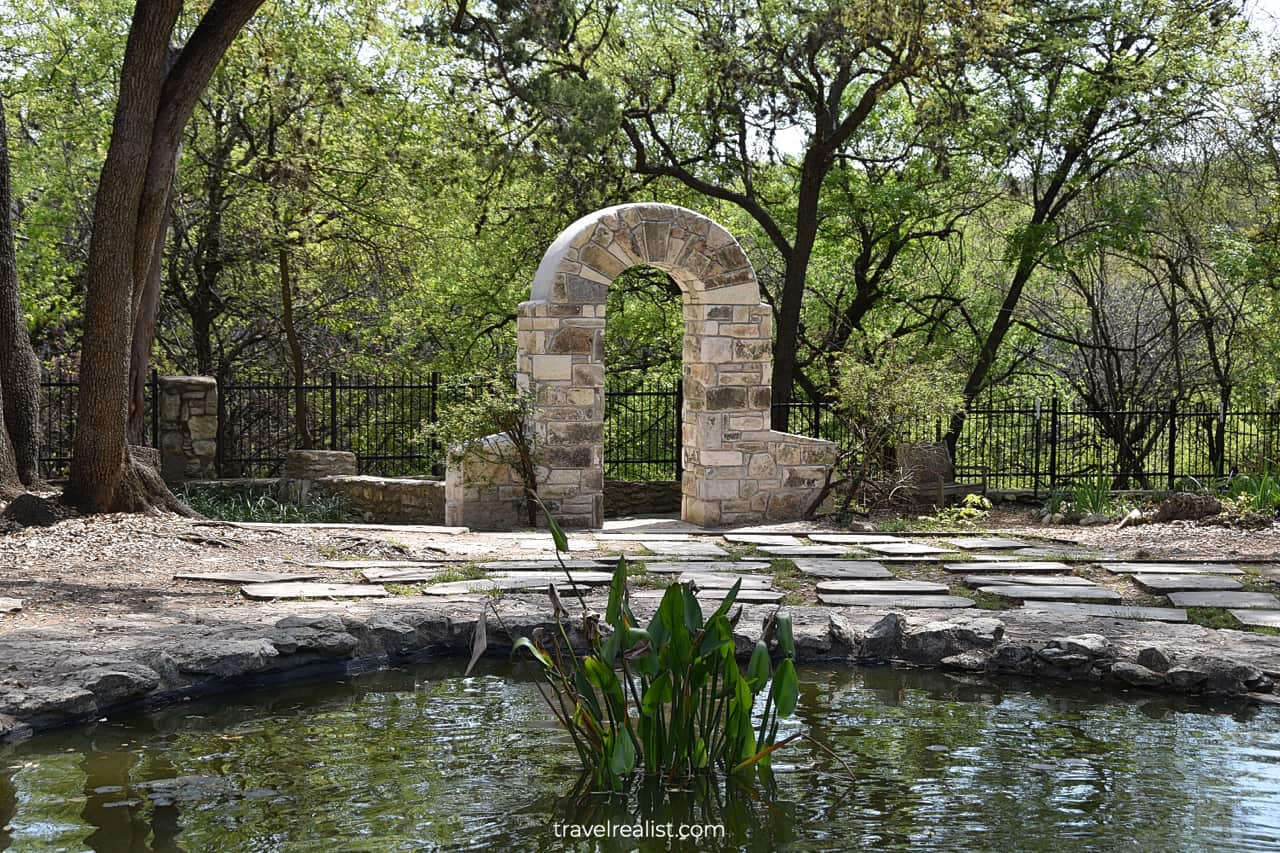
x: 144, y: 337
x: 19, y: 367
x: 300, y: 411
x: 787, y: 334
x: 157, y: 95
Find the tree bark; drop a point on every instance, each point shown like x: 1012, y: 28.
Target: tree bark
x: 156, y: 100
x: 296, y: 359
x: 19, y: 367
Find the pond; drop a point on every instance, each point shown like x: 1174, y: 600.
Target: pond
x: 421, y: 758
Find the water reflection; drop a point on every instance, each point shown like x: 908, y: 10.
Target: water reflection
x: 425, y: 759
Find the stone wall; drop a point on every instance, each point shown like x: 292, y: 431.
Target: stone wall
x: 392, y: 500
x: 628, y: 498
x: 188, y: 428
x: 483, y: 491
x: 737, y: 470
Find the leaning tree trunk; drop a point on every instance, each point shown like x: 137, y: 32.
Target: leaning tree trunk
x: 157, y: 95
x: 19, y: 367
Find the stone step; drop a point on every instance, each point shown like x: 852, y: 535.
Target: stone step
x: 806, y: 550
x: 268, y: 591
x: 889, y: 602
x: 545, y: 565
x: 1071, y: 555
x: 725, y: 580
x: 1184, y: 583
x: 399, y: 575
x: 680, y: 567
x: 1172, y: 569
x: 906, y: 549
x: 1029, y: 592
x: 981, y: 543
x: 1107, y: 611
x: 823, y: 568
x: 1243, y: 600
x: 1017, y: 567
x: 641, y: 537
x: 249, y: 577
x: 372, y: 564
x: 884, y: 587
x: 684, y: 549
x: 853, y: 538
x: 1027, y: 580
x: 1258, y: 618
x: 762, y: 539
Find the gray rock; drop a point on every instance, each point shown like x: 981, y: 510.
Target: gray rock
x: 1068, y: 664
x: 1137, y: 675
x: 1013, y: 657
x: 41, y: 702
x: 971, y: 661
x: 1186, y: 678
x: 1155, y: 659
x: 225, y: 658
x: 882, y: 640
x: 1089, y: 645
x: 931, y: 642
x: 1185, y: 506
x: 1095, y: 519
x: 396, y: 637
x: 117, y: 682
x: 846, y: 634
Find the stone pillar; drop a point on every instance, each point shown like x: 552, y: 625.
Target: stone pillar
x: 188, y: 428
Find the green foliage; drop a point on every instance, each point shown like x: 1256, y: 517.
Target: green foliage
x: 1093, y: 496
x: 228, y: 505
x: 1260, y: 493
x: 971, y: 512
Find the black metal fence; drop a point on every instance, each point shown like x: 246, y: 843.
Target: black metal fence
x: 58, y: 421
x: 1032, y: 445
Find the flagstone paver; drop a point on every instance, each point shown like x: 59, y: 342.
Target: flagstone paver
x: 266, y: 591
x: 806, y: 550
x: 399, y: 575
x: 244, y: 577
x: 682, y: 566
x: 854, y: 538
x: 1171, y: 569
x: 372, y: 564
x: 980, y: 543
x: 1258, y: 618
x: 725, y: 580
x: 1030, y: 592
x: 684, y: 549
x: 948, y: 602
x: 544, y: 565
x: 1184, y: 583
x: 1009, y: 566
x: 1108, y: 611
x: 641, y: 537
x: 10, y: 605
x: 762, y: 539
x: 883, y: 587
x: 906, y: 549
x: 1027, y: 580
x: 1243, y: 600
x: 824, y: 568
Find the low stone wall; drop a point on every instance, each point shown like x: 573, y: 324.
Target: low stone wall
x: 387, y: 499
x: 626, y: 498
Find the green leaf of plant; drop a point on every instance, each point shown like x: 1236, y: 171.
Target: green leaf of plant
x: 758, y: 668
x: 526, y: 643
x: 786, y: 688
x: 786, y: 638
x: 732, y: 596
x: 623, y: 760
x: 617, y: 592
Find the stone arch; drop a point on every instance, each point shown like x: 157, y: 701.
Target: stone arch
x: 736, y: 469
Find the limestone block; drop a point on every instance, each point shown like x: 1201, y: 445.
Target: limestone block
x: 552, y: 368
x: 203, y: 427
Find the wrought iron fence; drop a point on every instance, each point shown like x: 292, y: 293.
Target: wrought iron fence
x: 58, y: 421
x: 1032, y: 445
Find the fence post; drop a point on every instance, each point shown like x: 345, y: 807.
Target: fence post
x: 1172, y: 458
x: 1035, y: 458
x: 223, y: 452
x: 1053, y: 444
x: 816, y: 414
x: 155, y: 408
x: 1220, y: 444
x: 333, y: 410
x: 679, y: 429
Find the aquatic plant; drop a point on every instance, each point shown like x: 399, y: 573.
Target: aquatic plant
x: 666, y: 700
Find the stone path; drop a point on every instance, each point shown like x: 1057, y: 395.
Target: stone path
x: 905, y: 549
x: 1009, y: 566
x: 1027, y: 580
x: 883, y: 587
x: 269, y: 591
x: 823, y: 568
x: 1171, y: 569
x: 544, y: 565
x: 853, y: 538
x: 641, y: 537
x: 399, y: 575
x: 725, y: 580
x: 1184, y: 583
x: 243, y: 577
x: 981, y: 543
x: 713, y: 597
x: 1110, y: 611
x: 1249, y: 600
x: 762, y: 539
x: 10, y: 605
x: 684, y: 549
x: 371, y: 564
x: 677, y: 568
x: 1258, y: 618
x: 907, y: 602
x: 806, y: 550
x: 1031, y: 592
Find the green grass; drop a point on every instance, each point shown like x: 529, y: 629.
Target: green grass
x: 403, y: 588
x: 1212, y: 617
x: 463, y: 572
x: 225, y: 505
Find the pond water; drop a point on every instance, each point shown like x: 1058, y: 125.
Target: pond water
x: 422, y: 758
